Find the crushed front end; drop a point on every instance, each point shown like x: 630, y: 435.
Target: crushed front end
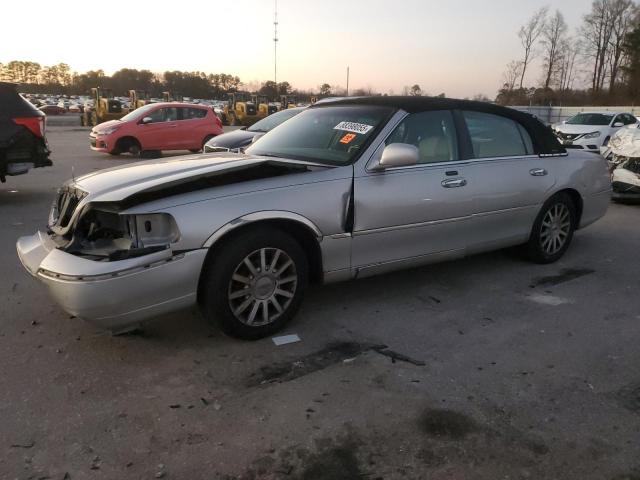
x: 108, y: 267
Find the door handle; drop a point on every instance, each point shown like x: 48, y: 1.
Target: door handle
x: 538, y: 172
x: 173, y: 126
x: 454, y: 183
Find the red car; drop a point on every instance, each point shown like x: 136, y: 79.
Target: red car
x: 53, y: 110
x: 148, y: 130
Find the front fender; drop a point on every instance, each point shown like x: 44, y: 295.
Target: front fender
x: 260, y: 216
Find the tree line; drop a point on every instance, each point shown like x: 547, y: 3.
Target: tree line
x: 598, y: 63
x: 59, y: 79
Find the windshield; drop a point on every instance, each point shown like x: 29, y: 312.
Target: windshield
x: 272, y: 121
x: 333, y: 135
x: 138, y: 111
x: 590, y: 119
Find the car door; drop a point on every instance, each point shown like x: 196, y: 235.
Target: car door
x: 414, y: 214
x: 508, y: 182
x: 159, y: 133
x: 190, y: 127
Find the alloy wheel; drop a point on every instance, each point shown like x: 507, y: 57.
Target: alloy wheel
x: 262, y: 286
x: 555, y: 228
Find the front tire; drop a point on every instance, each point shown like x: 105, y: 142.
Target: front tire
x: 255, y: 283
x: 553, y: 230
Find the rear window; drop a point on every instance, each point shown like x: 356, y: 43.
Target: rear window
x: 496, y: 136
x: 191, y: 113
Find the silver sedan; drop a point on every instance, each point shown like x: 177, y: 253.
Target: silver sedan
x: 343, y: 190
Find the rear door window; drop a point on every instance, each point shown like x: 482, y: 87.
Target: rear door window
x: 496, y: 136
x: 192, y: 113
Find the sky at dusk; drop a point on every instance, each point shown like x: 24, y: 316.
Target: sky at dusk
x: 457, y: 47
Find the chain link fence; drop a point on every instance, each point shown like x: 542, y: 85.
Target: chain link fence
x: 551, y: 115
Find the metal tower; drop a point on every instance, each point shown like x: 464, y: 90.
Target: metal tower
x: 275, y: 45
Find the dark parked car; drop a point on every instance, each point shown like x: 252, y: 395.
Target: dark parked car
x: 23, y: 144
x: 246, y: 136
x: 53, y: 110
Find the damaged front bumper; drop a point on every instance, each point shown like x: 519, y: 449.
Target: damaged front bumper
x: 625, y: 191
x: 114, y: 295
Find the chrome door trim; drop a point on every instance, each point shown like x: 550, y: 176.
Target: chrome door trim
x: 472, y: 161
x: 409, y: 226
x: 505, y: 210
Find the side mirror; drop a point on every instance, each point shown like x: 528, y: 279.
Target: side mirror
x: 398, y: 155
x: 257, y: 137
x: 146, y: 120
x: 618, y: 124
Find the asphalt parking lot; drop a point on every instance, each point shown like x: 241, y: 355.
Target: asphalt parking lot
x: 484, y: 368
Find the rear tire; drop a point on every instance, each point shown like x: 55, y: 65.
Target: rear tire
x: 206, y: 140
x: 255, y: 283
x: 553, y: 230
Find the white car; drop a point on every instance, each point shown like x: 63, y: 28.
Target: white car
x: 591, y: 130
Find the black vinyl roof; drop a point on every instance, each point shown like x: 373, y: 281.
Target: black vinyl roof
x: 13, y: 105
x: 544, y: 141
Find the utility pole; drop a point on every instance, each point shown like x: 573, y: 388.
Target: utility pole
x: 275, y: 46
x: 347, y: 81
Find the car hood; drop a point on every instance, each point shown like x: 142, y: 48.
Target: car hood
x: 573, y: 129
x: 235, y: 139
x: 626, y: 143
x: 106, y: 125
x: 120, y: 183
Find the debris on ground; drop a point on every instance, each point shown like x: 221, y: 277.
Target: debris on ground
x: 285, y: 339
x: 395, y: 356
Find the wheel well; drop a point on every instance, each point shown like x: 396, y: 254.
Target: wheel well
x: 125, y: 142
x: 577, y: 201
x: 303, y: 235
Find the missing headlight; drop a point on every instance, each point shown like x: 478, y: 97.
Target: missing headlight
x: 152, y: 230
x: 108, y: 235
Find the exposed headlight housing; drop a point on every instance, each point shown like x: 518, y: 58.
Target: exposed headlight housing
x: 109, y: 235
x: 592, y: 135
x: 152, y: 230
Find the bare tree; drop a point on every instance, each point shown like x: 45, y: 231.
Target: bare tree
x: 596, y: 32
x: 529, y: 34
x: 622, y: 15
x: 511, y: 74
x: 553, y: 33
x: 567, y: 63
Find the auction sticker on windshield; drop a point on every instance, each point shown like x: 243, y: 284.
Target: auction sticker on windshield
x: 353, y: 127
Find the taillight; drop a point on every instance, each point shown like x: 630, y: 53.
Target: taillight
x: 35, y: 124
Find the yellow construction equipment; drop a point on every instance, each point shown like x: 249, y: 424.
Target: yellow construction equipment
x: 287, y: 101
x: 265, y: 108
x: 240, y: 110
x: 105, y: 108
x: 171, y: 97
x: 137, y: 99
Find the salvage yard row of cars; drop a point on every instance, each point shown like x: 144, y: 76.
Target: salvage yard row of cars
x: 341, y: 190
